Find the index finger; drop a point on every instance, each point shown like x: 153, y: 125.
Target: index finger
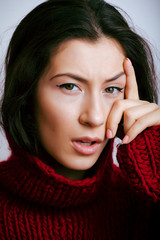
x: 131, y: 91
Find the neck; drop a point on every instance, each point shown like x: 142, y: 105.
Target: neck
x: 60, y: 169
x: 71, y: 174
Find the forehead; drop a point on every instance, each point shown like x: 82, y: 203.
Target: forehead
x: 103, y: 47
x: 104, y: 56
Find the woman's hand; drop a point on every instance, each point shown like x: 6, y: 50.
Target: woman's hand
x: 137, y: 114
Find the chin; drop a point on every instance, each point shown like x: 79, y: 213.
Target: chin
x: 81, y: 165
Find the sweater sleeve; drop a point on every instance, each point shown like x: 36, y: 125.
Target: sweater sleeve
x: 140, y: 163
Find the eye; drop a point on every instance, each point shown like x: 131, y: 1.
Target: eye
x: 113, y: 90
x: 69, y: 87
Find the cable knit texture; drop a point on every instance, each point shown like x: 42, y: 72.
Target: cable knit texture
x: 115, y: 203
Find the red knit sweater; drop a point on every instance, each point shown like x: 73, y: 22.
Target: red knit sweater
x: 116, y: 203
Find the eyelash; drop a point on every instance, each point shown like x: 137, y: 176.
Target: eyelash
x: 72, y: 85
x: 114, y: 88
x: 64, y: 86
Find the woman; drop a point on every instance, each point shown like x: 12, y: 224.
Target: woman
x: 76, y: 77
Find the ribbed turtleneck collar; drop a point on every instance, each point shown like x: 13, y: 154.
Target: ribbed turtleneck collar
x: 27, y: 176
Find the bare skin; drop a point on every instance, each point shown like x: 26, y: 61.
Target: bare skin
x: 81, y: 98
x: 138, y: 114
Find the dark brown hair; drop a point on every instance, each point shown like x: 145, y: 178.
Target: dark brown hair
x: 38, y: 36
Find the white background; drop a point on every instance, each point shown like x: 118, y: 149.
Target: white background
x: 145, y: 15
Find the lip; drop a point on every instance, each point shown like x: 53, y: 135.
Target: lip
x: 86, y: 149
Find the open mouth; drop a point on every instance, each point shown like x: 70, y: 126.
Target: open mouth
x: 86, y: 143
x: 86, y: 146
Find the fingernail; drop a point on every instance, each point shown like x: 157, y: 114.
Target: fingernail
x: 129, y: 61
x: 125, y: 139
x: 109, y: 133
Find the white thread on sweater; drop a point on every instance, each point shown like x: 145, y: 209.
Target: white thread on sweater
x: 117, y: 142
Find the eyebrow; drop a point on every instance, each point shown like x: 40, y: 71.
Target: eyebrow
x: 81, y: 79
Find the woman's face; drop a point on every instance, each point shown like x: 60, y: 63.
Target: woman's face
x: 74, y: 97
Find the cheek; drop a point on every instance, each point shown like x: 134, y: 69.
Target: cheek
x: 109, y: 103
x: 55, y: 117
x: 57, y: 124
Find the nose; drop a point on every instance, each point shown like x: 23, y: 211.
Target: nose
x: 93, y: 112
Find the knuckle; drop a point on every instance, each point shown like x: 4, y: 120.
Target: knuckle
x: 118, y: 103
x: 112, y: 124
x: 128, y: 114
x: 154, y: 106
x: 141, y: 121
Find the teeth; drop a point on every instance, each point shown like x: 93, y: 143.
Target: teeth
x: 85, y: 143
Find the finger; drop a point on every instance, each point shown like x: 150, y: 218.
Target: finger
x: 134, y: 113
x: 116, y: 114
x: 131, y: 91
x: 148, y: 120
